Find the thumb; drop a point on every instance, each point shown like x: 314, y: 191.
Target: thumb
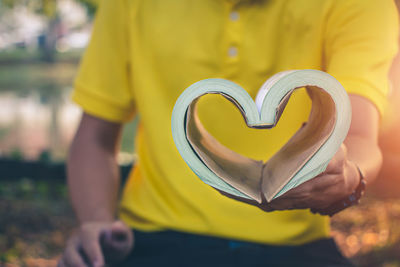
x: 120, y: 233
x: 116, y: 241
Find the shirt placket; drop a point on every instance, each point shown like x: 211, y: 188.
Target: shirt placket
x: 233, y: 41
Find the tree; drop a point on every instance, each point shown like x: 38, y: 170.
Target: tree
x: 47, y: 9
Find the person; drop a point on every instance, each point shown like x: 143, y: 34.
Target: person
x: 144, y: 53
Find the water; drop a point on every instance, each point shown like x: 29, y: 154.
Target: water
x: 29, y: 127
x: 37, y: 117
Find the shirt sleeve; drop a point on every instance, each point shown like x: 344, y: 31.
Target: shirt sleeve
x: 361, y: 41
x: 102, y: 86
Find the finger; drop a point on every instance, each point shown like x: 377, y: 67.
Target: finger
x: 313, y: 193
x: 325, y: 189
x: 90, y: 245
x: 343, y: 147
x: 329, y: 192
x: 117, y: 241
x: 332, y: 168
x: 302, y: 191
x: 336, y: 164
x: 121, y: 234
x: 327, y: 183
x: 72, y: 257
x: 301, y: 203
x: 317, y: 192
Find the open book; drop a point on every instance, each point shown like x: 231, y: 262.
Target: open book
x: 303, y: 157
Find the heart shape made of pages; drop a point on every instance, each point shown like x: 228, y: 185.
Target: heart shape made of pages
x: 303, y: 157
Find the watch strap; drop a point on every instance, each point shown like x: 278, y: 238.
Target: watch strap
x: 352, y: 199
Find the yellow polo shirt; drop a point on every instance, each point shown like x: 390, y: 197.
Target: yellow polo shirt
x: 144, y: 53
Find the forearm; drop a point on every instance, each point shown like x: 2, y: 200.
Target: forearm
x: 362, y: 140
x: 366, y: 154
x: 93, y: 173
x: 93, y: 181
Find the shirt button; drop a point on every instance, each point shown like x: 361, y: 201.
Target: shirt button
x: 234, y: 15
x: 232, y: 51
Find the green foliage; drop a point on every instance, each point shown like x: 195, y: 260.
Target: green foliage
x: 4, y: 131
x: 47, y: 8
x: 45, y: 156
x: 16, y: 153
x: 90, y: 5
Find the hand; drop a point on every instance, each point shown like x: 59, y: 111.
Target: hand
x: 97, y: 243
x: 339, y: 180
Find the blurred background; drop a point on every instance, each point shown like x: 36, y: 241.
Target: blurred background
x: 41, y: 42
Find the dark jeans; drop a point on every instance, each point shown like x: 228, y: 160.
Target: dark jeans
x: 176, y: 249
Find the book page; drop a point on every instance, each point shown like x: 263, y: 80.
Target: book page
x: 253, y: 178
x: 281, y: 168
x: 238, y: 171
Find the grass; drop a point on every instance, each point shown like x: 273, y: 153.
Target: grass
x: 36, y: 219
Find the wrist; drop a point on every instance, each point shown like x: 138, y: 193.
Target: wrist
x: 351, y: 199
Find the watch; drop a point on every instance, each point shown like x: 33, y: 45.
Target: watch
x: 351, y: 200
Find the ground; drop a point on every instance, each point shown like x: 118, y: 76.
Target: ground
x: 36, y: 219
